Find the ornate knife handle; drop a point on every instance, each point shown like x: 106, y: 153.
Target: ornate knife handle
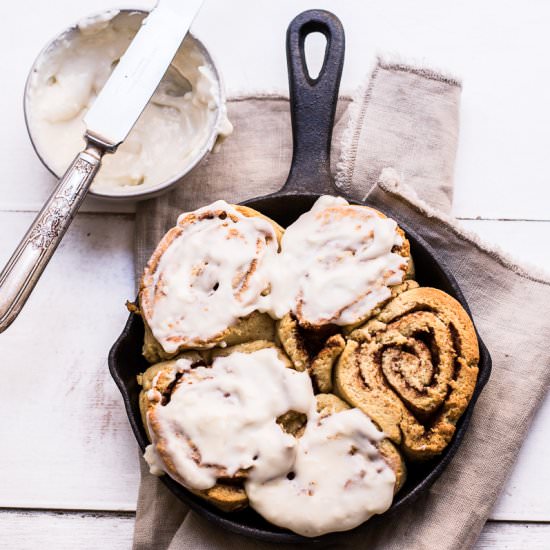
x: 27, y: 263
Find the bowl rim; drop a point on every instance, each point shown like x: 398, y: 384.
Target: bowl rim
x: 150, y: 191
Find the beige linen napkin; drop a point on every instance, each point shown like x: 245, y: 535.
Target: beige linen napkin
x: 406, y: 118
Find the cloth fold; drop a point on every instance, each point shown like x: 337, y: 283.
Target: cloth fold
x: 406, y: 118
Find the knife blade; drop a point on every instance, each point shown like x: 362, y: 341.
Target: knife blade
x: 141, y: 68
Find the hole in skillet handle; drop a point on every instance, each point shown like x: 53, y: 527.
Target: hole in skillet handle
x: 315, y: 47
x: 313, y: 104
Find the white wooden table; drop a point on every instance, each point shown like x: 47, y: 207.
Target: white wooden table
x: 68, y: 462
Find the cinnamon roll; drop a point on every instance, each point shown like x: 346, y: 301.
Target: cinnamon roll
x: 412, y: 369
x: 338, y: 262
x: 214, y: 418
x: 206, y: 281
x: 228, y: 493
x: 344, y: 472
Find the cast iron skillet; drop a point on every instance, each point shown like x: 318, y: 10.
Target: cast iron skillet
x: 312, y: 105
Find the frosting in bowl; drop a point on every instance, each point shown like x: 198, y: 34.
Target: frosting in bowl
x: 174, y: 131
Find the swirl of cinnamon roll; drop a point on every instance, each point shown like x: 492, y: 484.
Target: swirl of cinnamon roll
x: 338, y: 262
x: 206, y: 280
x: 412, y: 369
x: 317, y: 350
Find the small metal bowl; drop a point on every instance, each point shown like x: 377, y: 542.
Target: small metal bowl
x: 132, y: 193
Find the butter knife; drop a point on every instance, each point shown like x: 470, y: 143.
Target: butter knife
x: 108, y: 122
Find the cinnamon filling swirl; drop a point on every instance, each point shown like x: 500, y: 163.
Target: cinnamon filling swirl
x: 413, y: 369
x: 313, y: 350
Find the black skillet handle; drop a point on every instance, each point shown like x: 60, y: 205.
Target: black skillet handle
x: 313, y: 102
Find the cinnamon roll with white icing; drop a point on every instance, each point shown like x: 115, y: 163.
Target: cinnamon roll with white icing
x: 344, y: 472
x: 206, y: 281
x: 228, y: 493
x: 213, y: 421
x: 338, y: 262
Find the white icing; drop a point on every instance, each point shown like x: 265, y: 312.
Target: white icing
x: 156, y: 466
x: 336, y: 264
x: 340, y: 479
x: 228, y: 412
x: 213, y: 273
x: 171, y: 133
x: 153, y: 394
